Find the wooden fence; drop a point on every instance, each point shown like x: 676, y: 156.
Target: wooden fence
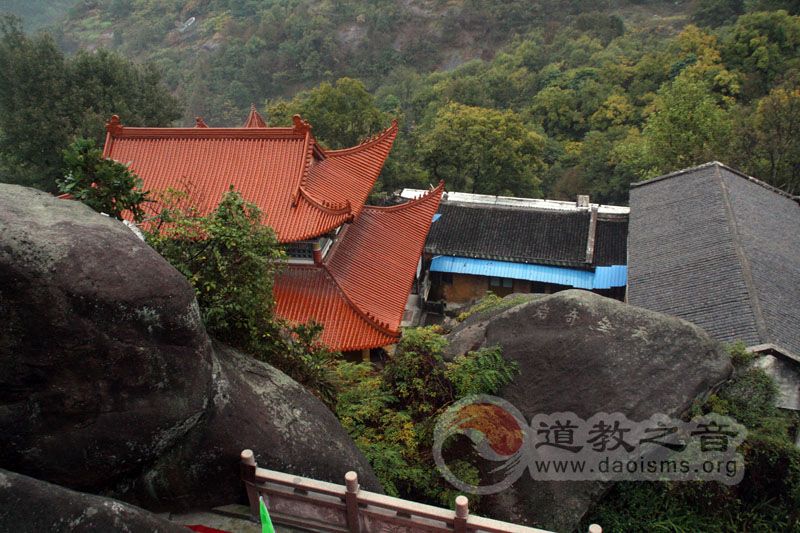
x: 320, y: 506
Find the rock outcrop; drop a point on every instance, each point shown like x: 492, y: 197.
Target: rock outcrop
x: 109, y: 382
x: 28, y: 505
x: 583, y: 353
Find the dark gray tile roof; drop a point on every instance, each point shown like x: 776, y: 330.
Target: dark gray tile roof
x: 719, y: 249
x: 542, y: 236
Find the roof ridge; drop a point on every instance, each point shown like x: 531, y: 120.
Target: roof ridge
x: 254, y: 119
x: 372, y: 320
x: 718, y: 165
x: 516, y: 208
x: 329, y: 207
x: 744, y: 262
x: 391, y: 131
x: 115, y: 128
x: 308, y: 149
x: 429, y: 196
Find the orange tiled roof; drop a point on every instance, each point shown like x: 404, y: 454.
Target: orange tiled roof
x: 359, y: 293
x: 304, y: 190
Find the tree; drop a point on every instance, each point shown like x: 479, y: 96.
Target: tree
x: 558, y: 111
x: 687, y: 126
x: 34, y: 123
x: 103, y: 184
x: 46, y: 101
x: 104, y: 83
x: 342, y: 114
x: 765, y: 46
x: 717, y: 12
x: 777, y: 126
x: 483, y: 151
x: 766, y: 139
x: 390, y: 413
x: 231, y: 258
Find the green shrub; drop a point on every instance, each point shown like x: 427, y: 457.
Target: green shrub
x: 230, y: 257
x: 103, y: 184
x: 491, y: 302
x: 767, y: 498
x: 483, y: 371
x: 390, y: 413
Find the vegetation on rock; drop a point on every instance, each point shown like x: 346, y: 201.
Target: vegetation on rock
x: 391, y: 412
x: 767, y: 499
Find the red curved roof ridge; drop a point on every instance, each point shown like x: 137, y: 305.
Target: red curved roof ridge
x: 384, y: 243
x: 390, y: 132
x: 382, y: 327
x: 342, y: 175
x: 254, y: 119
x: 303, y: 191
x: 309, y: 292
x: 367, y: 276
x: 342, y: 208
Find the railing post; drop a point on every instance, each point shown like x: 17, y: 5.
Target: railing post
x: 351, y: 501
x: 248, y: 472
x: 594, y: 528
x: 462, y: 514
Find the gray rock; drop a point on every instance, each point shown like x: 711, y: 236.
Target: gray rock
x: 254, y: 407
x: 581, y: 352
x: 104, y: 362
x: 109, y: 382
x: 30, y: 505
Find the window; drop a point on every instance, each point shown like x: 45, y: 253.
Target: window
x: 506, y: 283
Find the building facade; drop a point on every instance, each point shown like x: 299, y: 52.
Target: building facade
x: 505, y: 245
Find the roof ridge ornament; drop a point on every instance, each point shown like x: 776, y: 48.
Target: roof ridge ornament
x: 199, y: 122
x: 114, y: 125
x: 300, y: 125
x: 254, y: 119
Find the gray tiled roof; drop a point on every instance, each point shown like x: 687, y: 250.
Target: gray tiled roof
x: 526, y: 235
x: 719, y: 249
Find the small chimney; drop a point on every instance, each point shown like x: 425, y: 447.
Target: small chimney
x: 583, y: 201
x: 316, y: 251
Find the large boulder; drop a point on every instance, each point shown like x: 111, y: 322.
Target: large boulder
x: 255, y: 407
x: 28, y: 505
x: 580, y: 352
x: 109, y: 382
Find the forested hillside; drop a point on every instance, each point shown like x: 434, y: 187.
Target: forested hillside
x: 526, y: 98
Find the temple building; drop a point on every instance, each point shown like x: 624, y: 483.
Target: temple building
x: 351, y: 266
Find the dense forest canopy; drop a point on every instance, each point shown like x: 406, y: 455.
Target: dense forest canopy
x: 591, y: 95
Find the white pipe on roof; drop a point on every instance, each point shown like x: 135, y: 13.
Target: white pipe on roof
x: 511, y: 201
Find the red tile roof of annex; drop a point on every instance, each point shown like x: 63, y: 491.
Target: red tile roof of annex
x: 359, y: 292
x: 303, y: 189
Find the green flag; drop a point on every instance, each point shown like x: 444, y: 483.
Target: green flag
x: 266, y: 523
